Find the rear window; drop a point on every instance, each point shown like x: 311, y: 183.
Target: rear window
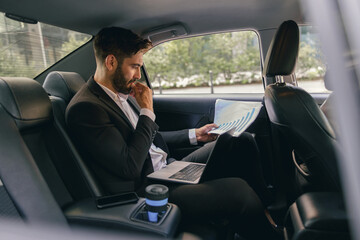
x: 26, y: 50
x: 311, y: 64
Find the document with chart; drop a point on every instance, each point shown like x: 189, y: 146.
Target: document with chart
x: 236, y: 115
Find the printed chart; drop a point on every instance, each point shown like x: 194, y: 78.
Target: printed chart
x: 234, y: 115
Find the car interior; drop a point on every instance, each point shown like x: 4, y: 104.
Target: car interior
x: 44, y: 179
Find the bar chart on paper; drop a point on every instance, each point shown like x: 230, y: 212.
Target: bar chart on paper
x: 234, y: 115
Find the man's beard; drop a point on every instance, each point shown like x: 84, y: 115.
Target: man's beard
x: 120, y: 83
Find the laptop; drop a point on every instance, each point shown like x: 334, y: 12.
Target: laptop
x: 193, y: 173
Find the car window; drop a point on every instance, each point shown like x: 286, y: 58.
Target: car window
x: 217, y: 63
x: 28, y: 49
x: 310, y: 67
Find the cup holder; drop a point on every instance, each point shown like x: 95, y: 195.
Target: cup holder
x: 141, y: 214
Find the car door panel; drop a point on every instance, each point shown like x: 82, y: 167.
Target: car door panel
x: 176, y: 112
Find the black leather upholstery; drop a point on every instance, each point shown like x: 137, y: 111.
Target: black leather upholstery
x: 30, y: 107
x: 296, y: 114
x: 28, y: 104
x: 317, y: 216
x: 293, y: 106
x: 299, y: 118
x: 23, y: 105
x: 283, y: 51
x: 31, y: 157
x: 63, y: 84
x: 323, y: 211
x: 26, y: 109
x: 123, y: 217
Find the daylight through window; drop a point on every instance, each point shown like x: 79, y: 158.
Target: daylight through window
x: 28, y: 49
x: 218, y: 63
x: 310, y: 67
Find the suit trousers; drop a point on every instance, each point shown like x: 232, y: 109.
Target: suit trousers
x: 240, y: 158
x: 236, y: 193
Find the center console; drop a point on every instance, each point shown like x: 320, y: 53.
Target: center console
x: 131, y: 217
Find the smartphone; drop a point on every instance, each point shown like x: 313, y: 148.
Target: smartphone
x: 118, y: 199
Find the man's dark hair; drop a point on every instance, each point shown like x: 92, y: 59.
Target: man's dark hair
x: 120, y: 42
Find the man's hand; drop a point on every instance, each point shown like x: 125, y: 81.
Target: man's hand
x: 203, y: 135
x: 143, y: 95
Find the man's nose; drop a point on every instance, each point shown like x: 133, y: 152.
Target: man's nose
x: 137, y: 74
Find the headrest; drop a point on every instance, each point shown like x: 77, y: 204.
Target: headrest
x: 25, y: 100
x: 63, y: 84
x: 283, y: 51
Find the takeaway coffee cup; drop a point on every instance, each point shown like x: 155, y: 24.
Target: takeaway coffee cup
x: 156, y: 199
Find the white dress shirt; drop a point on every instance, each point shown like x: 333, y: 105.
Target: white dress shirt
x: 158, y: 156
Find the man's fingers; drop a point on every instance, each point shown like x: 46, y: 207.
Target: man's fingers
x: 143, y: 95
x: 139, y: 89
x: 140, y: 86
x: 210, y: 127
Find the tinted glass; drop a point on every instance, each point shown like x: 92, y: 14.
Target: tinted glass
x: 28, y: 49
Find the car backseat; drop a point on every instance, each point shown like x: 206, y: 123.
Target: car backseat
x: 24, y: 109
x: 62, y: 86
x: 38, y: 182
x: 43, y: 140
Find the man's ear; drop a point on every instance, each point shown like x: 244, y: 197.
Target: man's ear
x: 111, y: 63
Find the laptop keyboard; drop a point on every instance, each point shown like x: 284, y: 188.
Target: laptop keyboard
x: 189, y: 173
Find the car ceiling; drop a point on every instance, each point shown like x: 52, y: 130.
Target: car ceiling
x: 198, y: 16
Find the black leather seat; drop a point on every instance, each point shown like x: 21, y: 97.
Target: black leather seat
x: 30, y: 107
x: 32, y: 149
x: 25, y: 109
x: 62, y: 86
x: 297, y: 116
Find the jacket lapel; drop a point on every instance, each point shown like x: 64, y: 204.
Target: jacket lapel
x: 102, y: 95
x: 98, y: 91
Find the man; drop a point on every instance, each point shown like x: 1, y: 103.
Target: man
x: 122, y: 144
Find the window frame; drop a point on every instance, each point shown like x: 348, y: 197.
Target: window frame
x: 146, y: 77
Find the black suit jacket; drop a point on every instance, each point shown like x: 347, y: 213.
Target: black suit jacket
x: 116, y: 152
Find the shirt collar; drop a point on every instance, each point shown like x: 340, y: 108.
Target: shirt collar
x: 114, y: 96
x: 123, y: 97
